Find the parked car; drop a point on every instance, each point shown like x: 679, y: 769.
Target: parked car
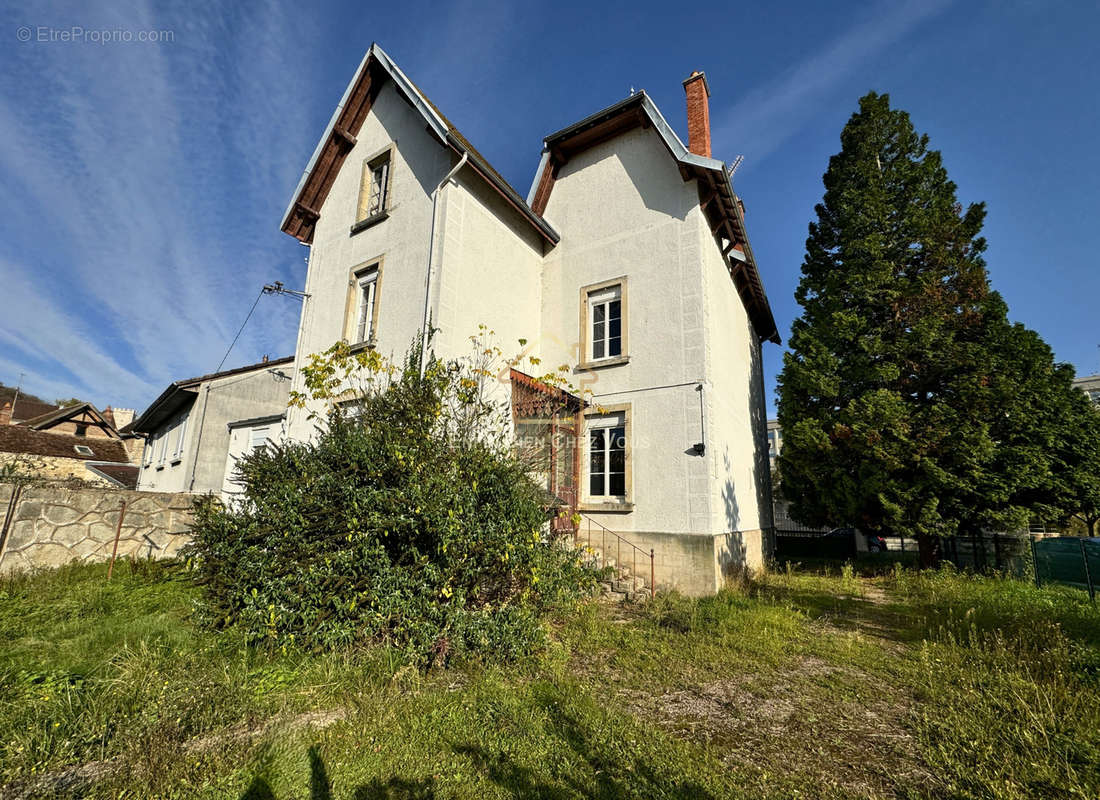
x: 875, y: 543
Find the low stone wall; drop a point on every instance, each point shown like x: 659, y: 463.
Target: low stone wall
x: 47, y: 525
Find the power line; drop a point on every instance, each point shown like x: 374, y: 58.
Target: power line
x: 238, y: 336
x: 271, y: 288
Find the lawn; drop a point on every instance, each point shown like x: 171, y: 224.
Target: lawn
x: 802, y: 684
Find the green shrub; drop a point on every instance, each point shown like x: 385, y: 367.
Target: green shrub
x: 408, y: 520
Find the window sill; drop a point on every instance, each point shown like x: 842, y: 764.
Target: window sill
x: 373, y: 219
x: 588, y: 366
x: 370, y: 344
x: 614, y: 506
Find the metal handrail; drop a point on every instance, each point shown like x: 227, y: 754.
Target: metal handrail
x: 619, y: 542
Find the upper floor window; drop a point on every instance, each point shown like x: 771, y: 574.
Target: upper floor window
x: 363, y: 303
x: 604, y: 321
x: 162, y: 447
x: 181, y: 431
x: 374, y: 189
x: 259, y: 437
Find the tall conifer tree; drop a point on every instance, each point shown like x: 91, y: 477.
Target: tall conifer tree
x: 887, y: 395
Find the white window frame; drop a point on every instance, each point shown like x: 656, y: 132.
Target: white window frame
x: 375, y: 185
x: 162, y: 448
x: 366, y: 284
x: 150, y: 444
x: 599, y: 330
x: 608, y: 419
x: 595, y: 336
x: 265, y: 430
x: 181, y: 432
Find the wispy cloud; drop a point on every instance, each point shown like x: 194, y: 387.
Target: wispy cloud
x: 150, y: 179
x: 759, y: 123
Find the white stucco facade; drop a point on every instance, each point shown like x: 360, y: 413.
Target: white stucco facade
x: 689, y: 380
x: 189, y: 427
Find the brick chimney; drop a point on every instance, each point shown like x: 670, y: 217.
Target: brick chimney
x: 109, y: 416
x: 698, y: 108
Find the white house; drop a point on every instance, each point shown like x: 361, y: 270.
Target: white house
x: 198, y: 427
x: 628, y: 261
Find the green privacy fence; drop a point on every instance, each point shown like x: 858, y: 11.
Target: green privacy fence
x: 1068, y: 560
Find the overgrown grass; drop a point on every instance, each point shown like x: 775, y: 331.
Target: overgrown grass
x: 805, y: 684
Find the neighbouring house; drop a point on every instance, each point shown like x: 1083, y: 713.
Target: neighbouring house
x: 61, y: 456
x: 193, y: 430
x: 1090, y: 385
x: 23, y: 409
x: 75, y: 441
x: 79, y: 419
x: 628, y: 261
x: 775, y: 443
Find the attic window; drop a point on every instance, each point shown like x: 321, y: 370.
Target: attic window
x: 374, y: 188
x: 83, y: 449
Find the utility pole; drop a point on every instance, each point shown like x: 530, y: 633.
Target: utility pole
x: 15, y: 397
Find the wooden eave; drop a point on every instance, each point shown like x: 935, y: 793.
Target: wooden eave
x: 307, y: 205
x: 727, y: 225
x: 716, y: 198
x: 301, y: 218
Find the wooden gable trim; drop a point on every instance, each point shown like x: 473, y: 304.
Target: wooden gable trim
x: 546, y: 186
x: 725, y: 222
x: 302, y: 221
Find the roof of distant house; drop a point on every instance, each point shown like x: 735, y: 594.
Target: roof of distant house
x: 58, y: 415
x: 173, y: 398
x: 21, y: 439
x: 29, y: 409
x: 124, y: 475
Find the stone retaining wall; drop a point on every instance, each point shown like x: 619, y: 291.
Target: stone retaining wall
x: 49, y: 525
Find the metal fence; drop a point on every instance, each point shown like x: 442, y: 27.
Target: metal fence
x: 814, y: 544
x: 1046, y: 558
x: 1067, y: 560
x: 1007, y: 553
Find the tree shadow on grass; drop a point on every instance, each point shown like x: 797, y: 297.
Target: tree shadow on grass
x: 320, y: 785
x: 612, y: 774
x: 866, y: 610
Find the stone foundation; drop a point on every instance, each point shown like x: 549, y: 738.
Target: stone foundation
x: 50, y: 525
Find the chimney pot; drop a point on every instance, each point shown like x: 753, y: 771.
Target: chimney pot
x: 698, y: 113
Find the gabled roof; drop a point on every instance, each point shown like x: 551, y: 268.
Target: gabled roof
x: 716, y: 197
x: 28, y: 409
x: 124, y: 475
x: 65, y: 413
x: 339, y: 138
x: 20, y: 439
x: 180, y: 393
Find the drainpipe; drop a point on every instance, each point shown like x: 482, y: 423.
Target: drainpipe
x: 701, y: 446
x: 424, y: 330
x: 198, y: 439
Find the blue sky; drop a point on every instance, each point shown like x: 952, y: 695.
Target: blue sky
x: 144, y: 182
